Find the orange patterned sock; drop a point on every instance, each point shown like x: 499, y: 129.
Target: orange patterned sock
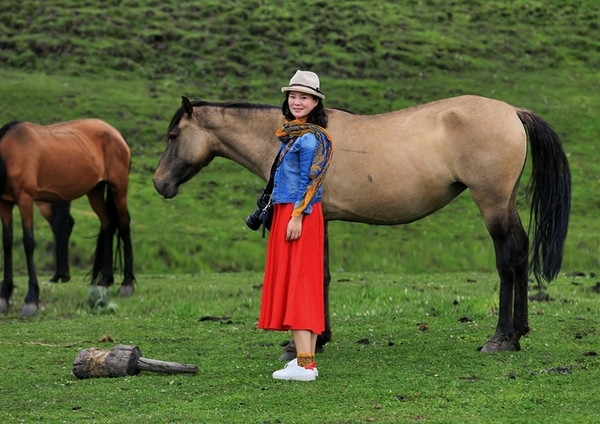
x: 305, y: 359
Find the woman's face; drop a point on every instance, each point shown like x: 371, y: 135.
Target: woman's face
x: 301, y: 104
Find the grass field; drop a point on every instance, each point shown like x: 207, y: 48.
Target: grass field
x: 410, y: 304
x: 404, y: 350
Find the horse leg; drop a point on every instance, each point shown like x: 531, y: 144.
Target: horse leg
x: 62, y: 224
x: 325, y: 336
x: 102, y: 272
x: 118, y: 213
x: 520, y: 313
x: 7, y: 244
x: 33, y: 292
x: 128, y: 276
x: 511, y: 247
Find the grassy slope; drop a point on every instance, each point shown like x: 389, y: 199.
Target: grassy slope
x: 128, y: 62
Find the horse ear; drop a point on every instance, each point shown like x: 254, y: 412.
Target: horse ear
x: 188, y: 109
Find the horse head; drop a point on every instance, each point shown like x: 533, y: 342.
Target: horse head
x: 188, y: 150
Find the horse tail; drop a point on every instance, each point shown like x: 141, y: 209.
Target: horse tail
x: 549, y: 194
x: 3, y: 176
x: 3, y: 131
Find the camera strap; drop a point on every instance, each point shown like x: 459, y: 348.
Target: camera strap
x: 269, y: 187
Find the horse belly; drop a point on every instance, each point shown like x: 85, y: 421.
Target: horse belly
x: 388, y: 204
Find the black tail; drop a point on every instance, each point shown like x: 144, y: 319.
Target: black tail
x: 549, y: 194
x: 3, y: 131
x: 2, y: 175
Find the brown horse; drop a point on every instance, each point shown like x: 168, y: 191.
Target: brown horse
x: 58, y: 163
x: 398, y: 167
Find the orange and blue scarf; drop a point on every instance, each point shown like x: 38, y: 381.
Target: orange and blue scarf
x: 321, y: 157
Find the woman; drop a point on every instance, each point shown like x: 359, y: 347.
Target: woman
x: 292, y: 296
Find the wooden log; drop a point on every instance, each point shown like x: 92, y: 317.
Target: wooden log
x: 120, y: 361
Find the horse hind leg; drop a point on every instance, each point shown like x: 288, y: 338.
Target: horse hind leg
x: 102, y: 270
x: 119, y: 216
x: 511, y: 247
x: 62, y: 224
x: 7, y: 286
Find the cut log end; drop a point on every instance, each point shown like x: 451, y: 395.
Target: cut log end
x: 117, y: 362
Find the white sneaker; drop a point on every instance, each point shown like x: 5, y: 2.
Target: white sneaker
x: 313, y: 366
x: 292, y: 371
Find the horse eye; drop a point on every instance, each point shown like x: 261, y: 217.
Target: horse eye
x: 173, y: 136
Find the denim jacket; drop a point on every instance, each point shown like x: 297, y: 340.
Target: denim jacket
x: 292, y: 176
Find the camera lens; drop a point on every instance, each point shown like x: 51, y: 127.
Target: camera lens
x: 253, y: 221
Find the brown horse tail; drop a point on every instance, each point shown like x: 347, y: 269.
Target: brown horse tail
x: 549, y: 194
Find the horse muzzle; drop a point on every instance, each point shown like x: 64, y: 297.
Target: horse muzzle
x: 165, y: 189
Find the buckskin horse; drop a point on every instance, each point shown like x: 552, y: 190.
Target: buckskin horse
x: 398, y: 167
x: 59, y: 163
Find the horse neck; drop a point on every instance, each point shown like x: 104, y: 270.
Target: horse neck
x: 246, y: 136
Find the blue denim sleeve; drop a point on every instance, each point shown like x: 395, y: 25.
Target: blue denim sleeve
x: 308, y: 143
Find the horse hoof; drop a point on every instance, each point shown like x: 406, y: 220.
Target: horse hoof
x: 3, y: 306
x: 29, y: 309
x: 60, y: 278
x: 126, y: 291
x: 289, y: 352
x: 500, y: 344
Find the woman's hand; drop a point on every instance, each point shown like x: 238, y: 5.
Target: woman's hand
x: 294, y: 228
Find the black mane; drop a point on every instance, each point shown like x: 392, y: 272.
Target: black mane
x: 227, y: 105
x: 223, y: 105
x: 6, y: 127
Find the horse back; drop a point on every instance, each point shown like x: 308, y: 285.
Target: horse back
x: 64, y: 159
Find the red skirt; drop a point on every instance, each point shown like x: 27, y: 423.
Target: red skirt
x: 292, y: 293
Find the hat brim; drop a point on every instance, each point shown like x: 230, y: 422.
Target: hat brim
x: 302, y: 89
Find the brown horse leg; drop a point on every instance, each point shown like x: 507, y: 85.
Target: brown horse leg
x: 62, y: 224
x: 511, y: 248
x: 7, y: 244
x: 116, y: 200
x: 33, y: 292
x: 127, y: 287
x: 102, y: 272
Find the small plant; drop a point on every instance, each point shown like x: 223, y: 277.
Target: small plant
x: 97, y: 301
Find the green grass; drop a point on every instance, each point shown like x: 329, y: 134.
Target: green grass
x: 128, y: 62
x: 402, y: 374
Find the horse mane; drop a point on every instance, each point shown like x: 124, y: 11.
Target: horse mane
x: 6, y: 127
x: 223, y: 105
x: 228, y: 105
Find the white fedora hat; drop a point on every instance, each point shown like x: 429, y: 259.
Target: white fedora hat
x: 305, y: 82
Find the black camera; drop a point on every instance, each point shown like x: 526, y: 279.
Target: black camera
x: 262, y: 215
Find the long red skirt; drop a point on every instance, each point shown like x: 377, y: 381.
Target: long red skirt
x: 292, y: 293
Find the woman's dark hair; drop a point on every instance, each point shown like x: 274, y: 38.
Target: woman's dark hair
x: 318, y: 116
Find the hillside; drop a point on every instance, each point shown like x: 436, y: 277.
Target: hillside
x: 128, y: 62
